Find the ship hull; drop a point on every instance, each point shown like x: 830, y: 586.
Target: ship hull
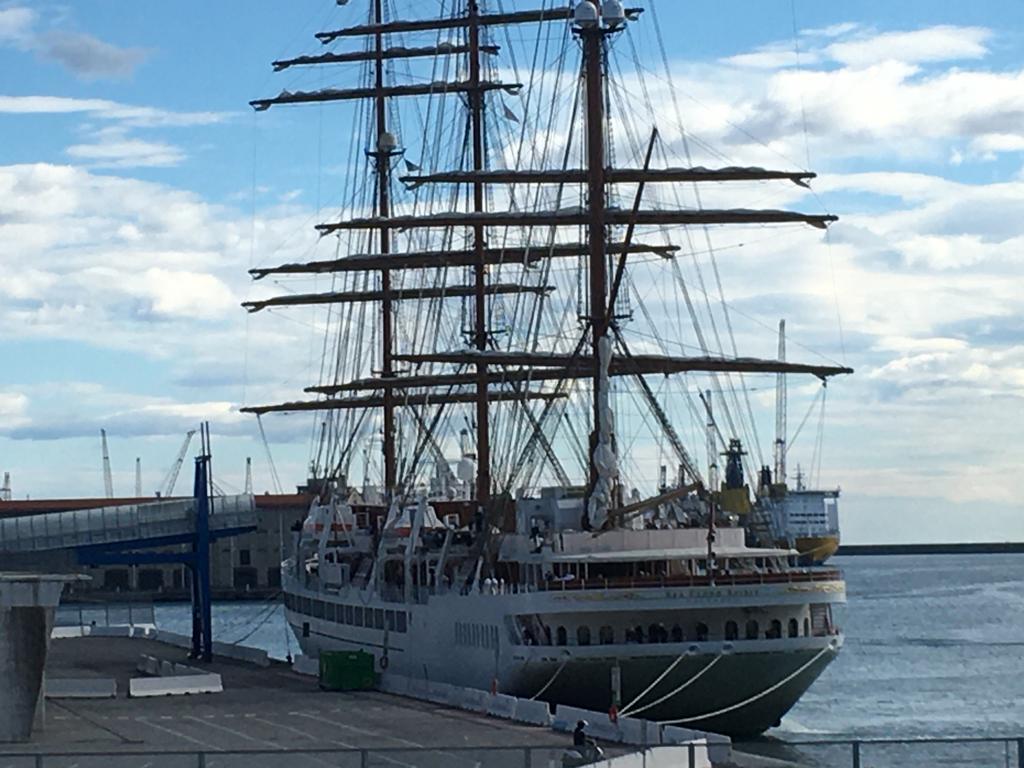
x: 750, y: 692
x: 815, y: 550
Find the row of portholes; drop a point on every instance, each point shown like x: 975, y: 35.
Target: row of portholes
x: 658, y: 633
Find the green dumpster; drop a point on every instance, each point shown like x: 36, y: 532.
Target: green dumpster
x: 347, y: 671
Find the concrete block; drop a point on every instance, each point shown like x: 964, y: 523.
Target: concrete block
x: 661, y: 757
x: 256, y: 656
x: 393, y: 683
x: 110, y: 631
x: 502, y: 705
x: 472, y: 700
x: 533, y: 712
x: 139, y: 687
x: 83, y: 688
x: 173, y: 638
x: 719, y: 747
x: 306, y: 665
x: 440, y: 693
x: 166, y: 669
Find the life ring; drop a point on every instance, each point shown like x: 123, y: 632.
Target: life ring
x: 383, y: 662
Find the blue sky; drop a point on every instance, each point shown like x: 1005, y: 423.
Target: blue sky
x: 135, y: 176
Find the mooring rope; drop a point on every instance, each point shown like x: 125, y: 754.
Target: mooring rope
x: 669, y: 695
x: 549, y: 682
x: 753, y: 698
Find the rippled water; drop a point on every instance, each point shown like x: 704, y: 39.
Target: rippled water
x: 934, y: 647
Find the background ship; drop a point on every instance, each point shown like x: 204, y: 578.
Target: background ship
x: 502, y: 306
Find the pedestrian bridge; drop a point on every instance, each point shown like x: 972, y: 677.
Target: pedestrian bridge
x: 152, y: 524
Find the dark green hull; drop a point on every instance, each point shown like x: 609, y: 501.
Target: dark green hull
x: 735, y: 678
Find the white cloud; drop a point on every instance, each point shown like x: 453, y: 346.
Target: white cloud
x: 141, y: 117
x: 939, y: 43
x: 117, y: 150
x: 80, y: 53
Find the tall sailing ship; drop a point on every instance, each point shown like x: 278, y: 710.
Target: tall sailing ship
x: 492, y: 353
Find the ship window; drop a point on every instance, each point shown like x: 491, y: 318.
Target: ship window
x: 807, y: 627
x: 794, y: 628
x: 494, y: 637
x: 606, y: 635
x: 562, y: 637
x: 304, y: 605
x: 349, y: 612
x: 702, y: 631
x: 318, y: 609
x: 400, y: 623
x: 305, y: 629
x: 677, y: 633
x: 752, y: 630
x: 389, y: 620
x: 358, y: 616
x: 378, y: 618
x: 583, y: 635
x: 776, y: 630
x: 731, y: 630
x: 331, y: 614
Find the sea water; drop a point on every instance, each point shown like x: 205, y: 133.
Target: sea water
x: 934, y: 648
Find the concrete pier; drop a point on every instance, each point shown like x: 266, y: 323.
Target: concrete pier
x: 27, y: 605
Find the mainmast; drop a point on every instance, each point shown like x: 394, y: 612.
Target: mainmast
x: 385, y: 146
x: 476, y: 109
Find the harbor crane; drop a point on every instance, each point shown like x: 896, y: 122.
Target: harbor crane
x: 108, y: 479
x: 167, y: 487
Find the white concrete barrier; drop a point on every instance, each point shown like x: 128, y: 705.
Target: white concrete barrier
x: 719, y: 747
x: 599, y: 725
x: 441, y: 693
x: 81, y: 688
x: 392, y: 683
x: 256, y: 656
x: 139, y: 687
x: 173, y: 638
x: 533, y: 712
x: 660, y: 757
x: 110, y: 631
x: 418, y: 687
x: 501, y: 705
x: 639, y: 732
x: 472, y: 700
x: 306, y: 665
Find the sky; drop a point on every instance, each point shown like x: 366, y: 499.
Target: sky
x: 137, y: 187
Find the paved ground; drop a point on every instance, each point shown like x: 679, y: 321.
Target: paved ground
x: 260, y: 709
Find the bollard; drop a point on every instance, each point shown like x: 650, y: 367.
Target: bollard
x: 856, y: 754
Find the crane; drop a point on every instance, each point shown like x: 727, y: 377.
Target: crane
x: 108, y: 479
x: 167, y: 488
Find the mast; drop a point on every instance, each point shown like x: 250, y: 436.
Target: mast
x: 780, y: 410
x: 384, y: 148
x: 476, y: 109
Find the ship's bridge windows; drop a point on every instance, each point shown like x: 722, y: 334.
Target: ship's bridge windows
x: 732, y: 631
x: 561, y: 636
x: 606, y: 635
x: 794, y: 628
x: 752, y: 630
x: 583, y: 635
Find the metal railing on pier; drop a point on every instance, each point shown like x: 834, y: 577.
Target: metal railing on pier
x: 990, y: 752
